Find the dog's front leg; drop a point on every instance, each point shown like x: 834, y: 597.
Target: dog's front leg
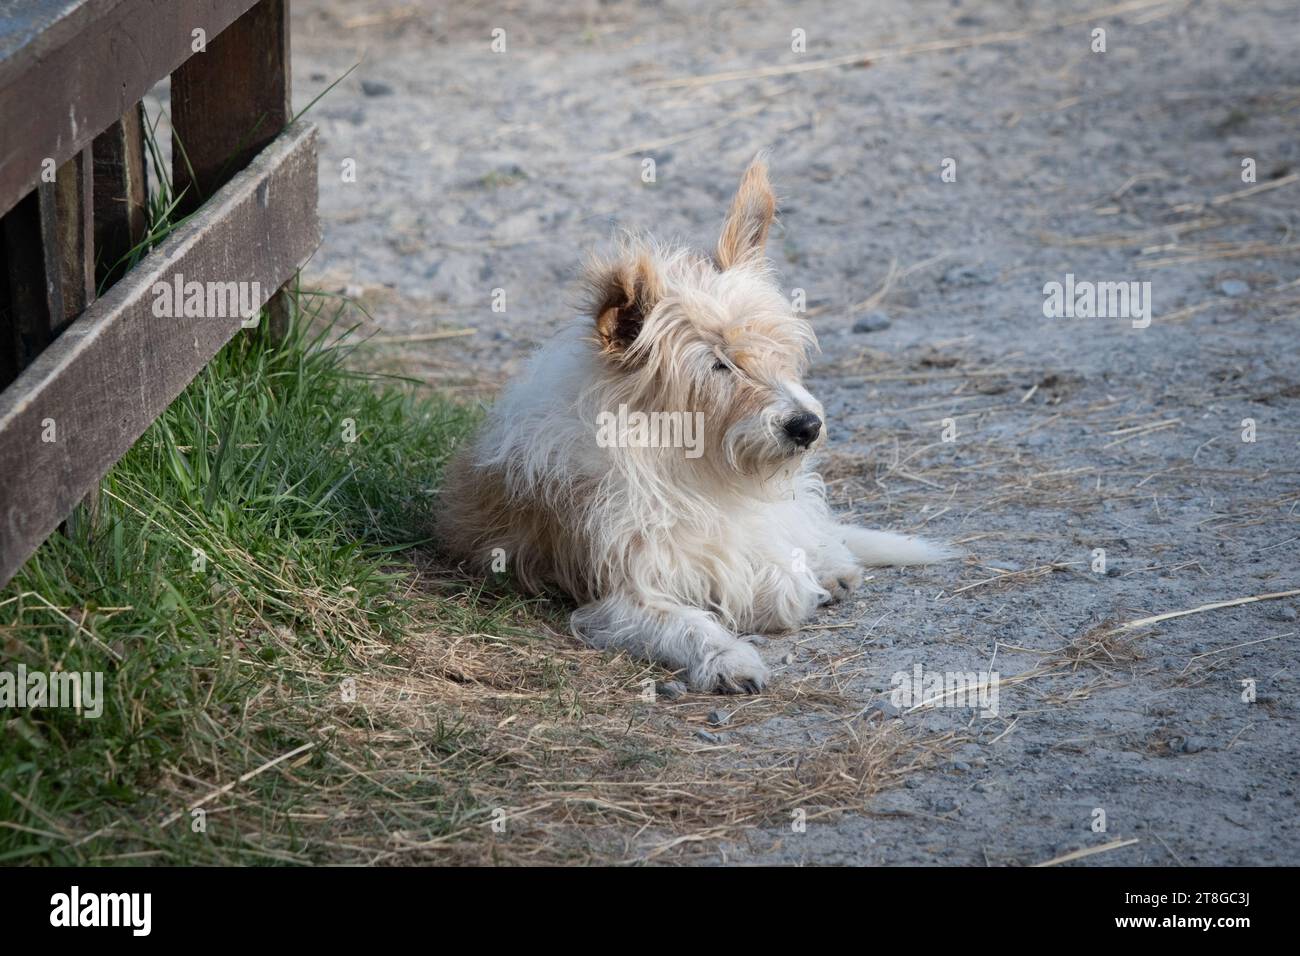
x: 683, y: 638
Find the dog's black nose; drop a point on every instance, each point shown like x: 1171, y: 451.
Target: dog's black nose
x: 804, y: 428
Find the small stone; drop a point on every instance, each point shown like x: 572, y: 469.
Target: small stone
x: 707, y: 737
x: 718, y: 717
x: 671, y: 689
x: 788, y: 659
x: 872, y: 322
x: 375, y: 88
x: 961, y: 766
x: 1287, y: 613
x: 1234, y: 287
x: 946, y: 805
x: 885, y: 710
x: 970, y: 275
x: 1194, y: 745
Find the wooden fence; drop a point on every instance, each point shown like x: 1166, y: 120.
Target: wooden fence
x: 81, y: 376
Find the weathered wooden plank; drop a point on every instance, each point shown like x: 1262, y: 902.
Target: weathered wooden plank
x: 35, y: 293
x: 55, y: 91
x: 226, y: 104
x: 73, y: 202
x: 229, y: 101
x: 114, y: 370
x: 121, y: 194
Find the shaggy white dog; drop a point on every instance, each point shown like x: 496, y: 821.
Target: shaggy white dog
x: 652, y: 461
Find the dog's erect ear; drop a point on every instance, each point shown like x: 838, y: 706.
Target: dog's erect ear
x: 624, y: 293
x: 744, y: 233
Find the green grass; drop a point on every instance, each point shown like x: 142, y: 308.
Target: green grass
x: 245, y: 555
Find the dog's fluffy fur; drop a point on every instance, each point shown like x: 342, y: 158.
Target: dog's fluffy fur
x: 670, y: 556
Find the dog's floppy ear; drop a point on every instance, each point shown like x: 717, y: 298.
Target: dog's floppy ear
x: 624, y: 292
x: 744, y: 233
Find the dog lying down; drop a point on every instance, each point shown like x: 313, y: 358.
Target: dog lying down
x: 653, y: 462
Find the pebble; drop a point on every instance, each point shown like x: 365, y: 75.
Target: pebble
x: 718, y: 717
x: 672, y: 689
x: 885, y: 709
x: 970, y: 275
x: 1194, y: 745
x: 788, y: 659
x: 1234, y: 287
x: 872, y: 322
x: 375, y: 88
x: 707, y: 737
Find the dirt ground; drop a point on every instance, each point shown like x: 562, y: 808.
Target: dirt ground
x: 478, y: 170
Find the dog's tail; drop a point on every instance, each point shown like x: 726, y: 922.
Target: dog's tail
x: 884, y: 547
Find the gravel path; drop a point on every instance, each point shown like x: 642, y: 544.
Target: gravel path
x: 478, y: 171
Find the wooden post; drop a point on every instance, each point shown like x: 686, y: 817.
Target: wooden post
x: 35, y: 291
x: 227, y: 103
x: 121, y: 195
x: 49, y: 251
x: 75, y: 220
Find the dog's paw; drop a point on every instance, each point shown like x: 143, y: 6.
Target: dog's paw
x: 840, y: 583
x: 735, y: 669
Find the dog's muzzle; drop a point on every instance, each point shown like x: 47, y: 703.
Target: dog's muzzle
x: 803, y: 429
